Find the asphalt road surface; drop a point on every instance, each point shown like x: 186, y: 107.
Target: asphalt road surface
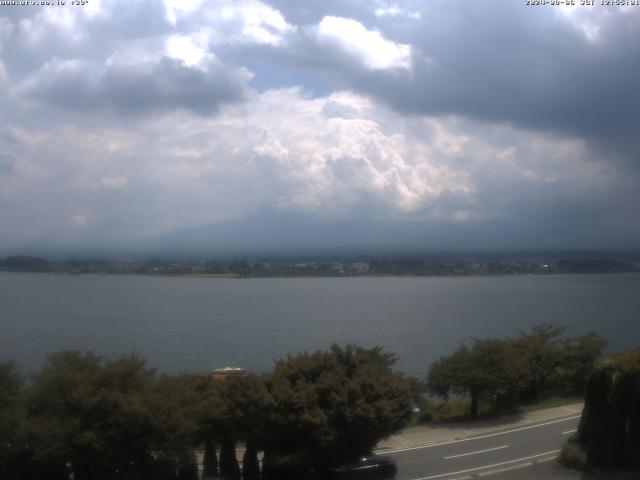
x: 492, y: 452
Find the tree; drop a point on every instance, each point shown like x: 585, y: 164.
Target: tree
x: 535, y: 364
x: 610, y: 425
x: 61, y: 422
x: 246, y: 401
x: 488, y: 369
x: 229, y: 411
x: 188, y: 467
x: 540, y: 351
x: 446, y: 375
x: 174, y: 410
x: 23, y: 263
x: 250, y: 465
x: 494, y: 371
x: 229, y: 467
x: 110, y: 418
x: 12, y: 417
x: 579, y: 357
x: 208, y: 405
x: 333, y: 405
x: 209, y: 461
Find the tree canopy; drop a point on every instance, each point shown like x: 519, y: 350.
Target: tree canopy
x: 12, y: 434
x: 336, y: 404
x: 103, y: 419
x: 537, y: 364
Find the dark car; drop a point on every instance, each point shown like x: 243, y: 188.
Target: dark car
x: 369, y: 467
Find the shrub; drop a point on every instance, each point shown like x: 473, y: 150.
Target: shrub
x: 572, y: 456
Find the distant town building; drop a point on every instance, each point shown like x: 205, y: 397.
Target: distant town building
x: 360, y: 267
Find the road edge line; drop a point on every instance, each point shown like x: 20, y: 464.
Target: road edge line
x: 552, y: 454
x: 469, y: 438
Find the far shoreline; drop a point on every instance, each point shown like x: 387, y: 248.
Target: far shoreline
x: 230, y: 276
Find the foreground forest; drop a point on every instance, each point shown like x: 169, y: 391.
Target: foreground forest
x: 104, y: 419
x: 119, y: 419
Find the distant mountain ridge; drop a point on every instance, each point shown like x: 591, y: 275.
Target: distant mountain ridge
x: 275, y: 234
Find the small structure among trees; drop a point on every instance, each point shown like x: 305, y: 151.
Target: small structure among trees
x: 228, y: 372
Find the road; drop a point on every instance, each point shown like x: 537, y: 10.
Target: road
x: 486, y: 453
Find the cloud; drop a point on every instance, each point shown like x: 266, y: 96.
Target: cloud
x: 114, y: 182
x: 232, y: 22
x: 79, y: 221
x: 565, y: 71
x: 190, y: 49
x: 311, y: 12
x: 393, y: 10
x: 6, y: 28
x: 256, y: 22
x: 177, y: 9
x: 140, y: 88
x: 340, y: 158
x: 488, y: 120
x: 569, y: 74
x: 6, y: 164
x: 366, y: 46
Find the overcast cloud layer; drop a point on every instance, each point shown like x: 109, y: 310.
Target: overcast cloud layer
x: 468, y: 123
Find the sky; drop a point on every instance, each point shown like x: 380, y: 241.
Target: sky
x: 483, y: 124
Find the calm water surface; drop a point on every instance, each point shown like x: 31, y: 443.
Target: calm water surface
x: 183, y: 323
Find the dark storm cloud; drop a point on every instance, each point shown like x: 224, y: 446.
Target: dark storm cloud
x: 526, y: 66
x: 134, y: 88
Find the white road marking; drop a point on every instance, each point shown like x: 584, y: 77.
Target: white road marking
x: 553, y: 452
x: 448, y: 442
x: 474, y: 453
x: 569, y: 431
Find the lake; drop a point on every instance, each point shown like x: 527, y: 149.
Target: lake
x: 198, y: 324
